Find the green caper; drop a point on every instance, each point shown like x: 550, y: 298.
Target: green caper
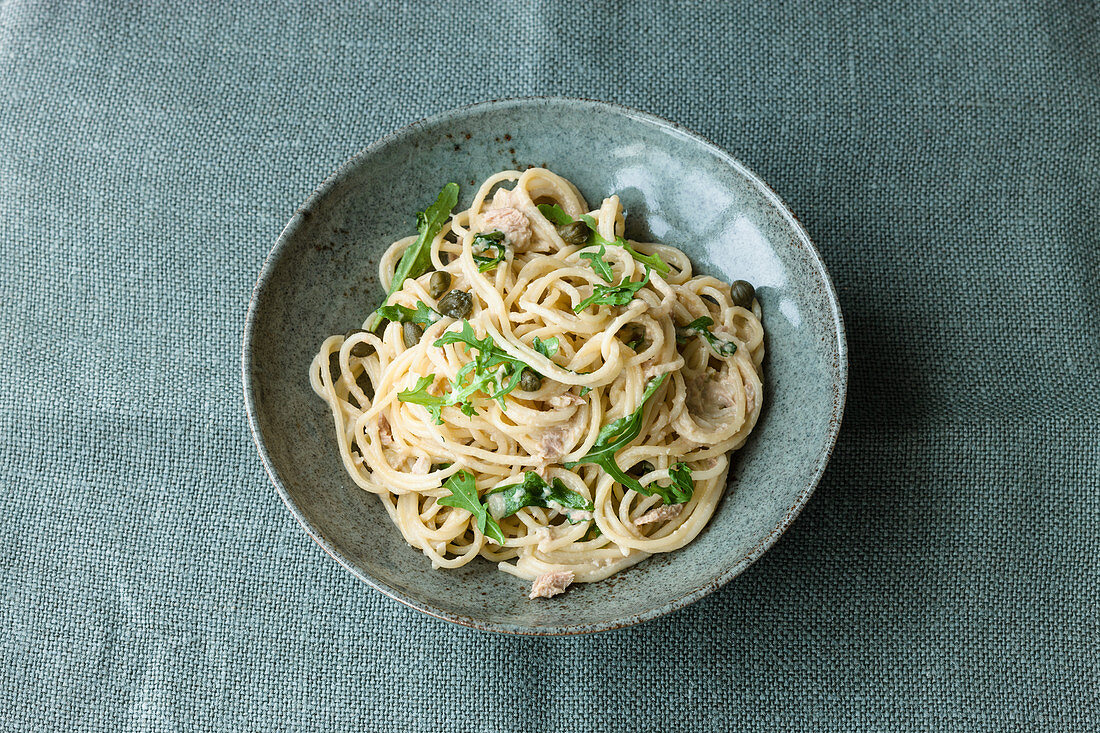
x: 456, y: 304
x: 411, y: 333
x: 642, y: 468
x: 334, y: 365
x: 529, y: 381
x: 361, y: 349
x: 742, y: 293
x: 439, y: 283
x: 575, y: 232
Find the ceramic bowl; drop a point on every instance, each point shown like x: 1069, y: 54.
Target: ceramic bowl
x: 679, y: 189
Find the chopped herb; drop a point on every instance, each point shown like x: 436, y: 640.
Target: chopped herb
x: 555, y: 214
x: 652, y: 260
x: 547, y: 348
x: 462, y: 391
x: 634, y: 344
x: 701, y: 326
x: 484, y: 243
x: 482, y: 374
x: 615, y: 436
x: 585, y: 390
x: 679, y: 490
x: 417, y: 258
x: 468, y: 337
x: 534, y: 491
x: 400, y: 314
x: 464, y: 496
x: 620, y: 294
x: 593, y: 532
x: 482, y: 368
x: 418, y: 395
x: 599, y: 264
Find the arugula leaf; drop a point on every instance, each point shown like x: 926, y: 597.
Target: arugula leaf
x: 468, y: 337
x: 464, y: 496
x: 547, y: 348
x: 417, y: 258
x: 620, y: 294
x: 483, y: 243
x: 555, y: 214
x: 701, y: 326
x: 492, y: 371
x: 593, y: 532
x: 679, y: 490
x: 653, y: 260
x: 599, y: 264
x: 483, y: 367
x: 462, y: 391
x: 400, y: 314
x: 418, y: 395
x: 505, y: 501
x: 615, y: 436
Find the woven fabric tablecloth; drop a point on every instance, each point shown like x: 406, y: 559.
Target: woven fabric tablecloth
x: 944, y: 157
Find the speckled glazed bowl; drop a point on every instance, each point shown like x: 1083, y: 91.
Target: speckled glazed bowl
x: 321, y: 279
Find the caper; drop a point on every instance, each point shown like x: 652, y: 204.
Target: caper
x: 575, y: 232
x: 529, y: 381
x: 334, y: 365
x: 642, y: 468
x: 411, y: 333
x: 439, y: 283
x: 456, y: 304
x: 362, y: 348
x: 742, y: 293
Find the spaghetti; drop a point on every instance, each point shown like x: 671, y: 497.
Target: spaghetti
x: 565, y: 408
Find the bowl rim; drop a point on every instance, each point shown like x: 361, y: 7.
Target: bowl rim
x: 840, y: 383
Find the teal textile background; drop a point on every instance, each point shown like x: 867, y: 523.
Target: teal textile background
x: 945, y: 157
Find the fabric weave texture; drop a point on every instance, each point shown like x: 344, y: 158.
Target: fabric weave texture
x: 944, y: 157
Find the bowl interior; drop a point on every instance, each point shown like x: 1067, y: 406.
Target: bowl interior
x: 321, y: 279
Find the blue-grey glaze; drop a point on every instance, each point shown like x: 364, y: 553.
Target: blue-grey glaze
x: 320, y: 279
